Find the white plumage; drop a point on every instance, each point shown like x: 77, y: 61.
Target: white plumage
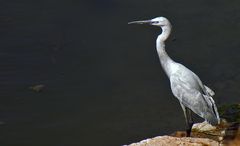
x: 186, y: 86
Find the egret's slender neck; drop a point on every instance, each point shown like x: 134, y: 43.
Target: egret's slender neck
x: 165, y: 60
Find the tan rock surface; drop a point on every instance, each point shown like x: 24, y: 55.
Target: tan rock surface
x: 227, y: 133
x: 176, y: 141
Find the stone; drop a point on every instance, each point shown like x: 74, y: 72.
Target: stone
x: 176, y: 141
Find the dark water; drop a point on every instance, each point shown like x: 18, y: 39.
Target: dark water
x: 104, y: 83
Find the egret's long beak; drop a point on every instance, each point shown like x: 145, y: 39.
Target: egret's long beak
x: 141, y: 22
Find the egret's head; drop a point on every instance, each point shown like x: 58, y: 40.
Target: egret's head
x: 159, y: 21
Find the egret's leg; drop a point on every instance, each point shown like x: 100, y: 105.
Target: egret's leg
x: 188, y: 118
x: 190, y: 121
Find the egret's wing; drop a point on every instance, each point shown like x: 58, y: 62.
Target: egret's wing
x: 202, y: 105
x: 209, y: 91
x: 194, y: 80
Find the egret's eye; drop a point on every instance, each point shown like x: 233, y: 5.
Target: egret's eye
x: 155, y: 22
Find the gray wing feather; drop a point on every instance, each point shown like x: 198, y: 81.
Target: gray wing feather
x: 188, y: 93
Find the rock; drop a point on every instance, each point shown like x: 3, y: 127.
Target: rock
x: 203, y: 134
x: 206, y: 130
x: 176, y: 141
x: 204, y: 126
x: 227, y: 133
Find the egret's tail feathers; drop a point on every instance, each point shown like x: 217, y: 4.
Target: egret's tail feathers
x: 212, y: 119
x: 209, y: 91
x: 211, y: 115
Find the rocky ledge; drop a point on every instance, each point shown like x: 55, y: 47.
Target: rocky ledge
x: 176, y: 141
x: 227, y: 133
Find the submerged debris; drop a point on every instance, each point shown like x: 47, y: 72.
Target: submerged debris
x: 37, y: 88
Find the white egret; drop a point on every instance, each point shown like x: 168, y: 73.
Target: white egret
x: 186, y: 86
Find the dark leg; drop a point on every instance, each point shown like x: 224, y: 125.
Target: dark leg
x: 189, y: 121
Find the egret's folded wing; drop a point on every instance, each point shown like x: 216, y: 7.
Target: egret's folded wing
x: 193, y: 99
